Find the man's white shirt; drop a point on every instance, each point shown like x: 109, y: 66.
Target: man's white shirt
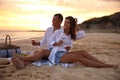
x: 47, y: 36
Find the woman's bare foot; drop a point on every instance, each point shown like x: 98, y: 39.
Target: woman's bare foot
x: 116, y: 66
x: 17, y: 62
x: 117, y: 69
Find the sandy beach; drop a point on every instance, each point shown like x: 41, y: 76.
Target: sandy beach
x: 104, y: 46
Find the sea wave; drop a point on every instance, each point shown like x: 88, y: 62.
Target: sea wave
x: 19, y: 35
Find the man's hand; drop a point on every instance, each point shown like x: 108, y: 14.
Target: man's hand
x: 35, y: 43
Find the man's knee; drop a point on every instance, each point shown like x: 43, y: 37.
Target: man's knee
x: 45, y: 52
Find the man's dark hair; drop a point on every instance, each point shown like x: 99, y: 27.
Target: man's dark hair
x: 60, y: 16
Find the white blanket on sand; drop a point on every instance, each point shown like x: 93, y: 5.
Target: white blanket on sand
x: 45, y: 62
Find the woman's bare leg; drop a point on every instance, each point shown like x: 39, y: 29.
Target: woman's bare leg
x: 71, y: 58
x: 87, y: 55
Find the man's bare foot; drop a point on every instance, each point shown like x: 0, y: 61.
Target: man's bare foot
x: 17, y: 62
x: 17, y: 55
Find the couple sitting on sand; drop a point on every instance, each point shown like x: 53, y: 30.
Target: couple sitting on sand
x: 59, y: 41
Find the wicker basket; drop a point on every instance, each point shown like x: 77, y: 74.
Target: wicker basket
x: 7, y: 48
x: 7, y: 45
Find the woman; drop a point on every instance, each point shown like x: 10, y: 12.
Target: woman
x: 62, y: 39
x: 66, y: 57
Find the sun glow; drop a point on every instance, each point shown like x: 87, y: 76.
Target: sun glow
x: 37, y: 14
x: 29, y: 7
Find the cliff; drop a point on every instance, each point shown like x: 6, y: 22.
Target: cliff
x: 110, y: 23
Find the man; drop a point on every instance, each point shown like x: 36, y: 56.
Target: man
x: 56, y: 24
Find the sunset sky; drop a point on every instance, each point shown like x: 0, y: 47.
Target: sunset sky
x: 37, y: 14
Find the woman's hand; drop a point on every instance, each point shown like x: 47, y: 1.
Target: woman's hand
x: 58, y: 43
x: 68, y: 48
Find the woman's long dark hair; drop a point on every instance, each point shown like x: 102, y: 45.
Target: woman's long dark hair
x: 72, y: 31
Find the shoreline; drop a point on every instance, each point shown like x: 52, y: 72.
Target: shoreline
x: 20, y: 35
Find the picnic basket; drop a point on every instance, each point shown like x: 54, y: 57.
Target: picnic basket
x: 7, y: 48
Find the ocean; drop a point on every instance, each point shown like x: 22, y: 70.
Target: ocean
x: 19, y: 35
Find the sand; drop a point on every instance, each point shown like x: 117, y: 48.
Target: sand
x: 104, y: 46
